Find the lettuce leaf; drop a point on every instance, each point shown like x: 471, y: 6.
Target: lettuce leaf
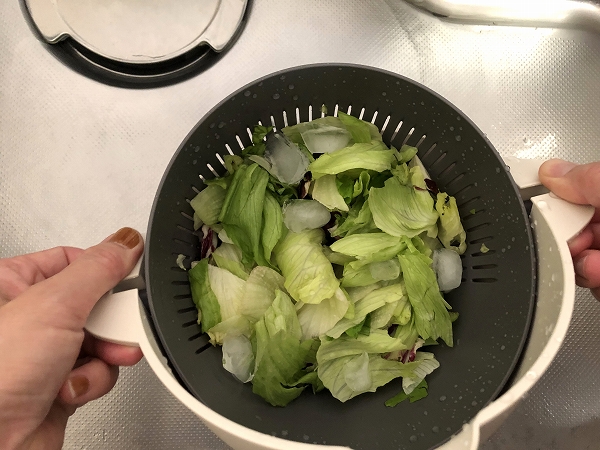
x: 280, y: 354
x: 316, y: 320
x: 207, y: 204
x: 450, y: 231
x: 229, y: 257
x: 429, y: 307
x: 272, y: 225
x: 228, y: 289
x: 358, y: 220
x: 372, y: 155
x: 351, y: 366
x: 309, y: 276
x: 242, y: 213
x: 366, y: 245
x: 370, y: 302
x: 402, y: 210
x: 259, y: 292
x: 325, y: 191
x: 209, y: 311
x: 360, y: 130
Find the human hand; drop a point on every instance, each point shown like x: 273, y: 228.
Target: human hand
x: 50, y: 366
x: 579, y: 184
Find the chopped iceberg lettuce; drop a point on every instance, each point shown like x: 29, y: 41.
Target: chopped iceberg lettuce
x: 323, y: 254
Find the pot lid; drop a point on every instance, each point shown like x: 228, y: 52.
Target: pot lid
x: 146, y: 38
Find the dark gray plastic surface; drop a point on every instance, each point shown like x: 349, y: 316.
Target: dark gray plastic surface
x: 495, y: 301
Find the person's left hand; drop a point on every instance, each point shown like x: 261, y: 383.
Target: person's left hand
x: 49, y: 365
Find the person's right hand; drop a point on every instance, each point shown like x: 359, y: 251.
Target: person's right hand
x: 579, y: 184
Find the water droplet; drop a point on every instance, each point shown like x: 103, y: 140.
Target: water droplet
x: 194, y: 161
x: 503, y: 347
x: 451, y: 128
x: 275, y: 96
x: 458, y: 138
x: 221, y: 125
x: 212, y: 125
x: 295, y: 97
x: 443, y: 398
x: 254, y: 95
x: 425, y: 413
x: 497, y: 169
x: 383, y: 94
x: 282, y: 77
x: 306, y: 437
x: 284, y: 432
x: 247, y: 93
x: 291, y: 86
x: 413, y: 438
x: 473, y: 403
x: 436, y: 429
x: 482, y: 390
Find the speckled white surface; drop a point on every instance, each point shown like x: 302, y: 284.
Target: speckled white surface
x: 79, y: 159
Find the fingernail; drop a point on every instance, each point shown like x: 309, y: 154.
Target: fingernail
x: 558, y: 168
x: 126, y: 237
x: 78, y: 386
x: 580, y: 267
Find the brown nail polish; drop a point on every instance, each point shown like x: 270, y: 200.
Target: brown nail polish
x: 126, y: 237
x: 78, y: 386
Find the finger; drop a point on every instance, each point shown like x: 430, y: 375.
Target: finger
x: 110, y: 353
x: 20, y: 272
x: 88, y: 382
x: 581, y: 242
x: 70, y: 295
x: 574, y: 183
x: 587, y: 268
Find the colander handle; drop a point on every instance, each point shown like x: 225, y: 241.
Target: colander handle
x: 564, y: 221
x: 116, y: 316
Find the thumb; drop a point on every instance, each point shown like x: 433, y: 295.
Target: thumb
x: 70, y: 295
x: 575, y: 183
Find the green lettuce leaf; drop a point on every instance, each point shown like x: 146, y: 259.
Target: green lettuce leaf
x: 417, y: 394
x: 238, y: 357
x: 228, y: 289
x: 423, y: 365
x: 372, y: 155
x: 351, y: 366
x: 229, y: 257
x: 371, y: 301
x: 233, y: 326
x: 258, y: 145
x: 450, y: 231
x: 429, y: 307
x: 259, y: 292
x: 272, y: 225
x: 406, y: 153
x: 317, y: 319
x: 367, y: 245
x: 325, y: 191
x: 207, y: 204
x: 401, y: 210
x: 294, y: 132
x: 309, y: 276
x: 360, y: 130
x: 209, y: 311
x: 242, y: 213
x: 280, y: 354
x: 358, y: 220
